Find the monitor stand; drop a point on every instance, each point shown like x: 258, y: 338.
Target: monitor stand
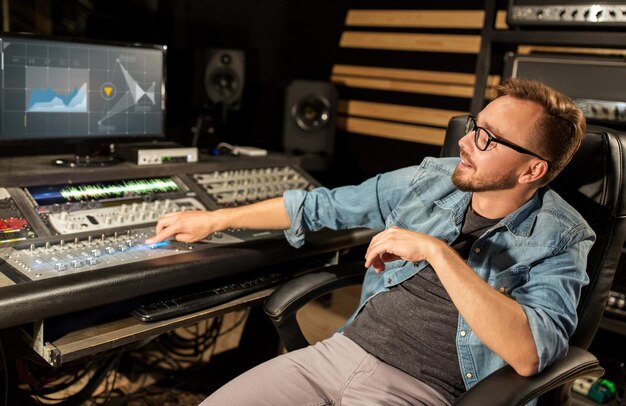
x: 86, y: 161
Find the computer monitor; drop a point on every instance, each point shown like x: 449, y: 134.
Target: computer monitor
x: 73, y: 92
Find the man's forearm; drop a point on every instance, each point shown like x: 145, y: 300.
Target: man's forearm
x: 268, y: 214
x: 498, y: 320
x: 191, y: 226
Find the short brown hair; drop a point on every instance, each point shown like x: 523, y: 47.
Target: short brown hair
x: 560, y: 131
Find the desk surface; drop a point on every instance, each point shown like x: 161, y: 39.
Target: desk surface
x: 36, y: 300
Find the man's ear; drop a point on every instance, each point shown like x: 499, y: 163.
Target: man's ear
x: 535, y: 171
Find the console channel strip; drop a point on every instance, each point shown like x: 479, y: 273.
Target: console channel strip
x: 230, y: 188
x: 58, y: 257
x: 96, y: 206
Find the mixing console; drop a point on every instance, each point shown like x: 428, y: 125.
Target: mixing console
x: 105, y: 205
x: 101, y: 224
x: 13, y: 226
x: 58, y: 257
x: 244, y: 186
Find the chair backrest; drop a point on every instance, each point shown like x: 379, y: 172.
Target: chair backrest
x: 594, y: 184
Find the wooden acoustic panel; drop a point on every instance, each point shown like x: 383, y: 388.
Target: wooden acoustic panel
x: 379, y: 82
x: 442, y: 89
x: 467, y: 19
x: 395, y: 112
x: 411, y: 42
x: 404, y: 132
x: 442, y: 19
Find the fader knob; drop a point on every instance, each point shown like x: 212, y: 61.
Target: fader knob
x: 76, y: 263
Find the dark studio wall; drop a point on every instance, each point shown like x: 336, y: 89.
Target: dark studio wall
x: 282, y: 40
x: 285, y: 40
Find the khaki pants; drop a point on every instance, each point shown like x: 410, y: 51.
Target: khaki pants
x: 335, y: 371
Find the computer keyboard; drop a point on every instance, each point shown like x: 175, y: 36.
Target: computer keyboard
x: 178, y: 302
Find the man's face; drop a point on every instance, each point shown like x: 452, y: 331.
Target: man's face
x: 498, y: 168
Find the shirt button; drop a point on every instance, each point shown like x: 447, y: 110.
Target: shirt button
x: 477, y: 250
x: 503, y: 289
x: 469, y: 375
x: 463, y: 333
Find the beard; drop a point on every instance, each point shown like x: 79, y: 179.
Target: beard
x: 477, y: 182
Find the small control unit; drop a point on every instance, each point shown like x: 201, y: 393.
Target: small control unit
x: 158, y: 156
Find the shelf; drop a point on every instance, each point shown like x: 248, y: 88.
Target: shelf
x: 116, y: 333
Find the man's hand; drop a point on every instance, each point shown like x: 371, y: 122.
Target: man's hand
x: 186, y: 226
x: 397, y: 243
x: 498, y: 320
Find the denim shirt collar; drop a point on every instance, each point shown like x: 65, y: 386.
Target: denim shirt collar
x: 457, y: 202
x: 520, y: 222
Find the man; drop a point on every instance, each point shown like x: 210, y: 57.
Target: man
x: 480, y: 265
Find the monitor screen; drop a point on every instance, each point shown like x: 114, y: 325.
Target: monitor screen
x: 59, y: 89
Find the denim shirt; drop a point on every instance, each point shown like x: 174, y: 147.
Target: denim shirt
x: 536, y: 255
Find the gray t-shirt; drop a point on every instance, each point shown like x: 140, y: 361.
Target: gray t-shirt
x: 413, y: 325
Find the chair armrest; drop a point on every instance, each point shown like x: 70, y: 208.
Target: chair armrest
x: 505, y: 387
x: 282, y: 305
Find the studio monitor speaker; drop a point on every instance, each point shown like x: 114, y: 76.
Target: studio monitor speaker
x: 309, y: 122
x: 222, y: 73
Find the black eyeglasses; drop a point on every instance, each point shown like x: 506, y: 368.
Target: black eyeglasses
x: 485, y: 140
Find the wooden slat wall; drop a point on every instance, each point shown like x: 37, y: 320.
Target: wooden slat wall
x: 369, y: 86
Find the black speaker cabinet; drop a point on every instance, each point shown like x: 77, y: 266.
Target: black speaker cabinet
x: 309, y: 122
x: 221, y: 74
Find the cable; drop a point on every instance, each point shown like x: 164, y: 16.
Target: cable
x: 224, y: 145
x: 237, y: 323
x: 42, y: 381
x: 183, y: 348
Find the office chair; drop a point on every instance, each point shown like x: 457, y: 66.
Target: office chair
x: 593, y: 183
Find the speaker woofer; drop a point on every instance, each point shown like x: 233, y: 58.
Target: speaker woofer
x: 312, y: 112
x: 220, y: 77
x: 222, y: 85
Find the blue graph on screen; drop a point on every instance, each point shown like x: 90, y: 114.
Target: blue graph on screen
x: 56, y: 90
x: 51, y: 101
